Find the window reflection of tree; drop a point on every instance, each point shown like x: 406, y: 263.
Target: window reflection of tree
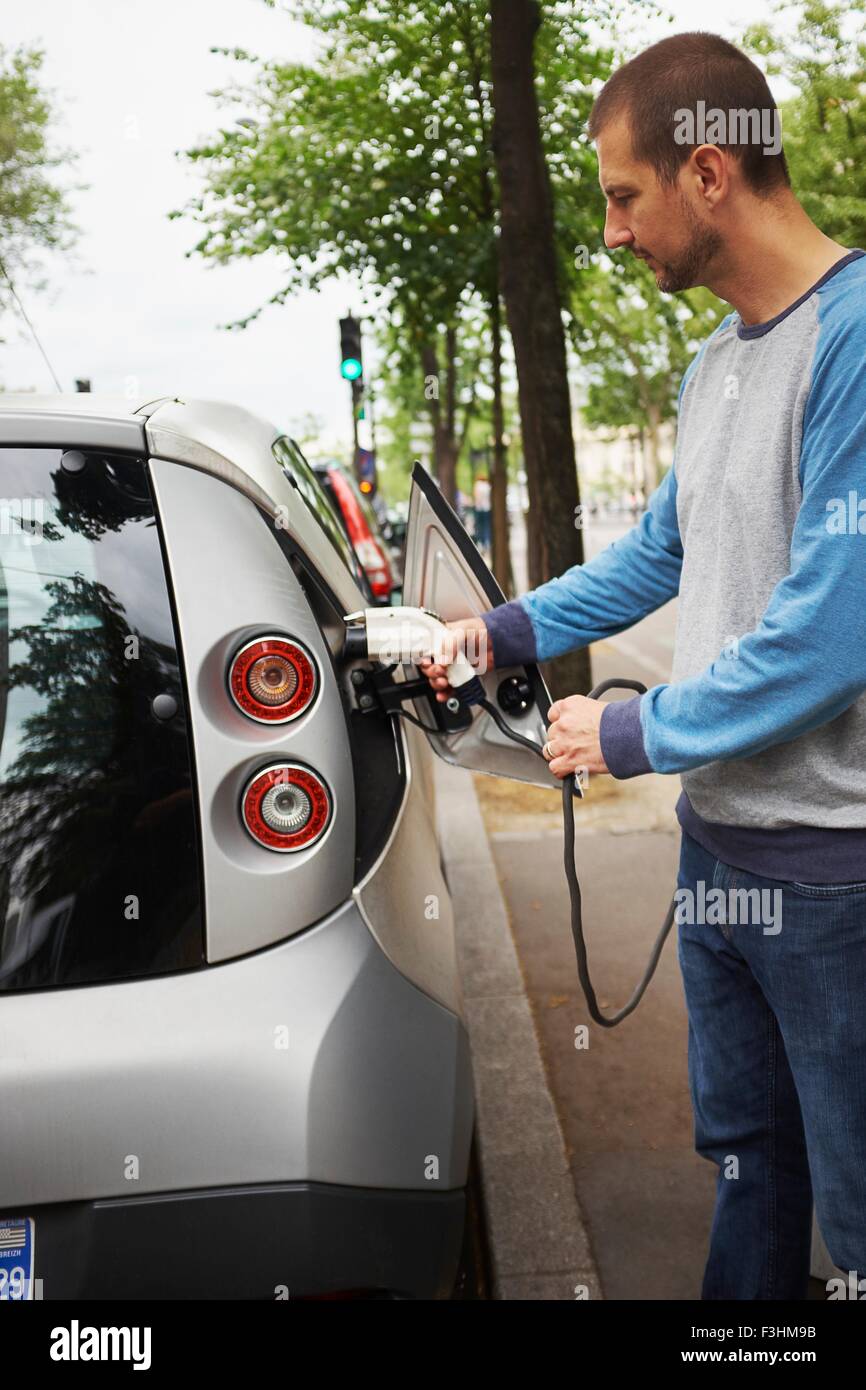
x: 102, y: 497
x: 82, y: 784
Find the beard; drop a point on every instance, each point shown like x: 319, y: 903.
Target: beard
x: 687, y: 270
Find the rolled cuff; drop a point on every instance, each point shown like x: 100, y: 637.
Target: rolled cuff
x: 621, y: 738
x: 512, y: 634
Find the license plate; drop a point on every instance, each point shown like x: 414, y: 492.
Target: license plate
x: 17, y: 1243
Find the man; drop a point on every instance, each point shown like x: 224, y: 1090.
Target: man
x: 481, y: 500
x: 759, y: 526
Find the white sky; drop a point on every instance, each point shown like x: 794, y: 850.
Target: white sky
x: 132, y: 79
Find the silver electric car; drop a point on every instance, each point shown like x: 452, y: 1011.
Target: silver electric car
x: 233, y: 1062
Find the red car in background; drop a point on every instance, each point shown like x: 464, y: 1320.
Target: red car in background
x: 361, y: 526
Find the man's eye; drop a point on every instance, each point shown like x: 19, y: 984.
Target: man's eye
x: 623, y: 198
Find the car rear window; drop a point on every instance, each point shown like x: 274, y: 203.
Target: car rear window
x: 99, y: 859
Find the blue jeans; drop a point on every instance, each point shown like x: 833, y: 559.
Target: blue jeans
x: 776, y: 998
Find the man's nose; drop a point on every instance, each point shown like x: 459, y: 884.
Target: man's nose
x: 616, y: 233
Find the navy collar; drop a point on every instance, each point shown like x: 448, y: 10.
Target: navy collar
x: 757, y: 330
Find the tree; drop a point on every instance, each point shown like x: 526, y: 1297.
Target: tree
x: 531, y: 290
x: 635, y: 345
x: 824, y: 126
x: 445, y: 389
x: 346, y: 168
x: 378, y: 162
x: 34, y: 214
x: 375, y: 163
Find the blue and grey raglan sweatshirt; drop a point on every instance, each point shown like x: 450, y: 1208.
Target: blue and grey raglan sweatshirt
x: 760, y: 528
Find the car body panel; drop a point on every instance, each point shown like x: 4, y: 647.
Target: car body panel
x: 444, y: 573
x: 320, y: 1056
x: 234, y: 444
x: 405, y: 899
x: 222, y: 439
x: 253, y: 897
x: 314, y: 1061
x: 70, y: 421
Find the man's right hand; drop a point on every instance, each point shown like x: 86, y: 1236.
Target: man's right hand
x: 470, y: 636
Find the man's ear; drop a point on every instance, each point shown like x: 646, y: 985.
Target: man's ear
x: 708, y: 168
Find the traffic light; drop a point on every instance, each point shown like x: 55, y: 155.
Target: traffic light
x: 351, y: 364
x: 366, y: 471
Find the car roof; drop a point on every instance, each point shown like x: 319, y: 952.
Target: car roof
x: 98, y: 405
x: 217, y: 437
x: 44, y: 416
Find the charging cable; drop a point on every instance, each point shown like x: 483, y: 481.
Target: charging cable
x: 372, y: 633
x: 604, y: 1020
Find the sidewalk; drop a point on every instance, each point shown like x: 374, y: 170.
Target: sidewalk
x: 535, y: 1227
x: 621, y: 1112
x: 590, y: 1179
x: 622, y: 1100
x: 608, y: 1110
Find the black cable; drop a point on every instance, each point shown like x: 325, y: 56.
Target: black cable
x: 404, y: 714
x: 611, y: 1020
x: 509, y: 733
x: 606, y: 1021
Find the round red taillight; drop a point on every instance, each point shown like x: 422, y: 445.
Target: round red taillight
x: 273, y: 680
x: 286, y: 807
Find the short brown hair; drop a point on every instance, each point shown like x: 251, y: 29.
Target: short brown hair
x: 674, y: 76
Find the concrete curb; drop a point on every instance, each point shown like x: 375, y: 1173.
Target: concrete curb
x: 537, y: 1233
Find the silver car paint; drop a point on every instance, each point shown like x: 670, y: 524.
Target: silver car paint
x: 315, y: 1060
x: 231, y: 443
x: 437, y: 577
x: 186, y: 1074
x: 232, y: 583
x: 395, y: 895
x: 404, y: 897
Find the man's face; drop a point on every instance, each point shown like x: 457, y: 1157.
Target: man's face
x: 664, y: 225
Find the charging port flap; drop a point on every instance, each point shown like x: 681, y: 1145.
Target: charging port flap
x: 445, y: 573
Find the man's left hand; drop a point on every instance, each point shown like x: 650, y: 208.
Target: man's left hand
x: 573, y: 736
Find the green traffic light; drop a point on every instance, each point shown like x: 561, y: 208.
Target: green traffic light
x: 350, y: 368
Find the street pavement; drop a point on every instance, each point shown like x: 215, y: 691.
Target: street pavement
x: 645, y: 1197
x: 623, y: 1099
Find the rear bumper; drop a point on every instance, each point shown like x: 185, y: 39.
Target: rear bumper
x: 315, y: 1061
x: 287, y: 1240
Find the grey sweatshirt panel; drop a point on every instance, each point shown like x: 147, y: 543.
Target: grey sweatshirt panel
x: 738, y: 452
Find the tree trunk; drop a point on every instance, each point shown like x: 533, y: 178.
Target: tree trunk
x: 444, y: 441
x: 500, y: 543
x: 499, y: 472
x: 534, y: 552
x: 532, y: 301
x: 654, y: 416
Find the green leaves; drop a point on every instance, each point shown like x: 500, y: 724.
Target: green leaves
x: 824, y: 126
x: 33, y: 207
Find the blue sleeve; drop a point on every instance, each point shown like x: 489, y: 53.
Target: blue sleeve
x: 628, y: 579
x: 805, y: 662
